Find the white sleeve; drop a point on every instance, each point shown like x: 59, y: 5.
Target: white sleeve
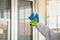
x: 44, y: 30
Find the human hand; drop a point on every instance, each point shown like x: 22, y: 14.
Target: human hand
x: 34, y: 20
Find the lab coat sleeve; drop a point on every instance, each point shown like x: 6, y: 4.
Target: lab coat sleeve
x: 44, y: 30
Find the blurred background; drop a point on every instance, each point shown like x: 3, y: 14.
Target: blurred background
x: 49, y: 14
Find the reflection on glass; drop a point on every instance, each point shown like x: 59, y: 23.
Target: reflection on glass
x: 52, y: 22
x: 4, y: 18
x: 51, y: 8
x: 21, y: 11
x: 58, y: 7
x: 48, y: 21
x: 58, y: 21
x: 0, y: 14
x: 53, y: 14
x: 3, y: 30
x: 5, y: 14
x: 4, y: 8
x: 25, y: 31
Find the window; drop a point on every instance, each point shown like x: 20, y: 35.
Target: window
x: 53, y: 14
x: 5, y: 19
x: 25, y: 31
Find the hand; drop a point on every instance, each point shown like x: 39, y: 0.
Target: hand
x: 34, y: 20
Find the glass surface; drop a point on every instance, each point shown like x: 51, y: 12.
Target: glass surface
x: 4, y: 18
x: 48, y: 21
x: 51, y: 8
x: 51, y: 14
x: 25, y: 31
x: 58, y: 7
x: 58, y: 21
x: 3, y: 30
x: 52, y: 22
x: 5, y: 14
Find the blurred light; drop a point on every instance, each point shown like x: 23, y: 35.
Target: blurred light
x: 1, y: 31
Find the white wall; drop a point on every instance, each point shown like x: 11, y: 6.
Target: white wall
x: 42, y: 10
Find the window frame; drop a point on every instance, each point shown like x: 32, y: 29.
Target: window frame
x: 55, y: 29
